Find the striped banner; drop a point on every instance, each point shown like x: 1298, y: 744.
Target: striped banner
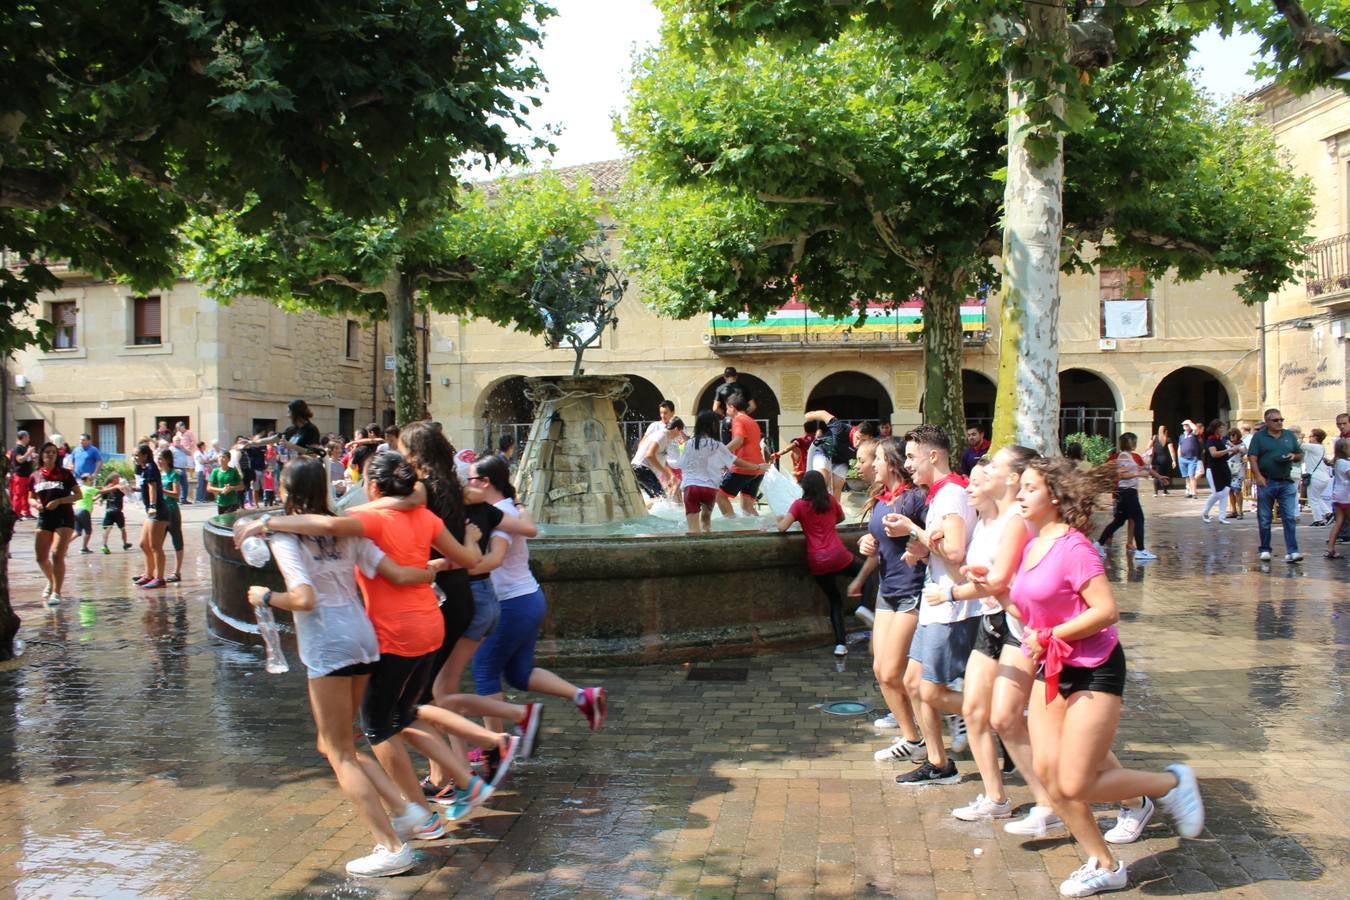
x: 797, y: 318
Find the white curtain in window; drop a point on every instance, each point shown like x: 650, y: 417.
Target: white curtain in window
x: 1125, y: 318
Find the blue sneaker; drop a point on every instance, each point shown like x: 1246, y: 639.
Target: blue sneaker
x: 465, y: 800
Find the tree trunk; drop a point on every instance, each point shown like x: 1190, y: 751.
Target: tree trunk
x: 9, y: 620
x: 942, y: 346
x: 1027, y: 411
x: 398, y: 294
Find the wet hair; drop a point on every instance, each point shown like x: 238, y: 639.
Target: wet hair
x: 815, y: 492
x: 675, y: 424
x: 434, y: 459
x: 305, y: 482
x: 495, y: 470
x: 1076, y: 490
x: 932, y: 436
x: 1074, y: 450
x: 666, y: 404
x: 707, y: 424
x: 391, y: 473
x: 737, y: 400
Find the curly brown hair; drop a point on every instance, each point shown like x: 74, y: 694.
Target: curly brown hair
x: 1075, y: 490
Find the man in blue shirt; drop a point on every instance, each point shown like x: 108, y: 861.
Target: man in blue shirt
x: 88, y: 460
x: 1271, y: 457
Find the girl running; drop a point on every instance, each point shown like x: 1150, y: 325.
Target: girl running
x: 339, y: 649
x: 156, y: 519
x: 509, y: 651
x: 704, y: 458
x: 52, y: 491
x: 902, y: 580
x: 1216, y: 453
x: 1061, y: 594
x: 1340, y: 493
x: 826, y: 556
x: 410, y: 629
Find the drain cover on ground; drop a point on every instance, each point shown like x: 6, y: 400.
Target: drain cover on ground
x: 845, y: 708
x: 712, y: 673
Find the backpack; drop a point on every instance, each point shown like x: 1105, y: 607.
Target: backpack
x: 245, y: 464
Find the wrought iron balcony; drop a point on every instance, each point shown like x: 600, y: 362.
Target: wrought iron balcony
x: 1328, y: 272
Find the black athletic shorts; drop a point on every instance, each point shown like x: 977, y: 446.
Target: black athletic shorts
x: 56, y: 519
x: 994, y: 635
x: 393, y: 695
x: 734, y: 484
x: 457, y: 613
x: 114, y: 518
x: 1108, y: 678
x: 351, y: 671
x: 84, y: 523
x: 648, y: 481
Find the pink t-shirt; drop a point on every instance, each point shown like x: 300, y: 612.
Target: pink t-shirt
x: 1050, y: 593
x: 825, y: 552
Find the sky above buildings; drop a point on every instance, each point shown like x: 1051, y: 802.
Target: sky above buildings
x: 588, y: 49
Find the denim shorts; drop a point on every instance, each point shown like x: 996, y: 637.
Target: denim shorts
x: 1189, y: 467
x: 943, y: 648
x: 487, y: 612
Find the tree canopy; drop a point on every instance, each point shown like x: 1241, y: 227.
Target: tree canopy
x: 121, y: 118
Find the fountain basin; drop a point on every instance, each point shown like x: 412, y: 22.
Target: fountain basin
x: 618, y: 600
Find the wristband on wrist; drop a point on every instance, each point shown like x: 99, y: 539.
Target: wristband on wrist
x: 267, y: 599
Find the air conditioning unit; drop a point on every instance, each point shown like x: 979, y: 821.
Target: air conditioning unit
x: 1106, y: 344
x: 707, y: 338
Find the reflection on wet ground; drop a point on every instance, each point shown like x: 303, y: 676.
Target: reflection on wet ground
x: 140, y: 758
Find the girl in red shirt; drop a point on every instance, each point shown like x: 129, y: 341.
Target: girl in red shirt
x: 826, y: 556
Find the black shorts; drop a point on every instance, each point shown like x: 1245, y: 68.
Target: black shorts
x: 393, y: 695
x: 56, y: 519
x: 84, y: 522
x: 647, y: 480
x: 1107, y: 678
x: 735, y: 484
x: 114, y: 518
x: 457, y: 613
x: 994, y: 635
x: 351, y: 671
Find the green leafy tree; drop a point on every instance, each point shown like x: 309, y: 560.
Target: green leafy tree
x: 120, y: 119
x: 576, y: 289
x: 477, y: 259
x: 861, y: 170
x: 1049, y: 53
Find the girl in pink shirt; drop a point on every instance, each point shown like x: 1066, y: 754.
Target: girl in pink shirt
x: 826, y: 556
x: 1061, y: 594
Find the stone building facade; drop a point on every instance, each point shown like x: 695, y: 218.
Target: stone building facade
x: 123, y: 362
x: 1195, y: 357
x: 1305, y: 336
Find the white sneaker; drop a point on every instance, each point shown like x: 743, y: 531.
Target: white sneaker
x: 886, y: 721
x: 1130, y: 824
x: 982, y: 809
x: 1293, y: 557
x: 383, y: 861
x: 416, y: 823
x: 1183, y: 803
x: 957, y: 726
x: 1141, y: 555
x: 1090, y: 878
x: 46, y: 592
x: 841, y: 650
x: 53, y: 600
x: 902, y: 751
x: 1265, y: 556
x: 1038, y: 822
x: 1206, y: 519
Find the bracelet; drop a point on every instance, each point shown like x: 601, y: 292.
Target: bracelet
x: 267, y: 599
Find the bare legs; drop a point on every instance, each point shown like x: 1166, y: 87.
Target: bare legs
x: 976, y: 705
x: 1012, y: 689
x: 334, y: 702
x: 932, y: 701
x: 50, y: 548
x: 892, y: 634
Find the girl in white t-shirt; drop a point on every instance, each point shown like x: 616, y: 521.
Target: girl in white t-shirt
x: 1340, y: 493
x: 704, y: 460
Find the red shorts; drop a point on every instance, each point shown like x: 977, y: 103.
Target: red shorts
x: 695, y: 498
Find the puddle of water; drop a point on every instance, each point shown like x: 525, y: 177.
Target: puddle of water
x: 90, y: 863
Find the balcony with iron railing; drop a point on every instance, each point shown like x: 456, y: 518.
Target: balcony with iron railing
x: 1328, y: 271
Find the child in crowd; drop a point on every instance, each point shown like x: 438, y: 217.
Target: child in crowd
x: 826, y: 556
x: 269, y: 487
x: 84, y: 512
x: 113, y: 493
x: 674, y: 449
x: 1340, y: 493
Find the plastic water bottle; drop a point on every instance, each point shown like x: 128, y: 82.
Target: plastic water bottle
x: 255, y: 551
x: 267, y: 627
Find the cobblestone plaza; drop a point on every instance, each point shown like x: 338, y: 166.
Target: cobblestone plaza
x: 140, y: 757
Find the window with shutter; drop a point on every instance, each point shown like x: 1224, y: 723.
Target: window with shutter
x: 63, y: 316
x: 147, y: 321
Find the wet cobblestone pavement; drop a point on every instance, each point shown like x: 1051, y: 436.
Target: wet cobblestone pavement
x: 139, y: 757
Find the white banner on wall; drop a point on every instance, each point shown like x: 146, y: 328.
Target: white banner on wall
x: 1125, y: 318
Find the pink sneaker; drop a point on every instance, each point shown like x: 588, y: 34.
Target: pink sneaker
x: 593, y: 707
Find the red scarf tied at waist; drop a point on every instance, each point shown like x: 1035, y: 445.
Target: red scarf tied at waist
x: 1052, y: 661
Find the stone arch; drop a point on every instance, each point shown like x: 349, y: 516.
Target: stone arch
x: 1088, y: 403
x: 1191, y: 392
x: 502, y: 407
x: 852, y: 395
